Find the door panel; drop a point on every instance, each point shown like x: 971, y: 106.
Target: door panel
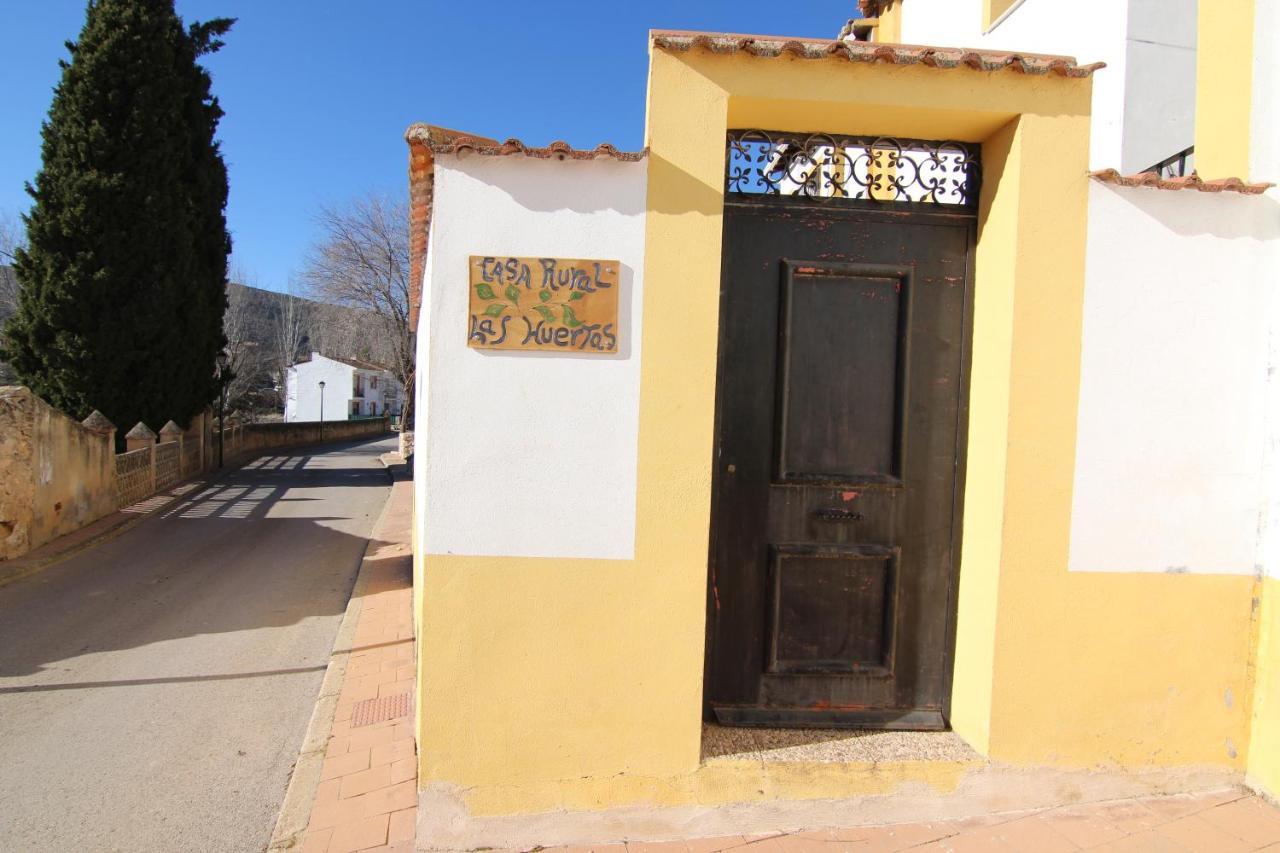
x: 840, y: 384
x: 839, y: 403
x: 816, y: 586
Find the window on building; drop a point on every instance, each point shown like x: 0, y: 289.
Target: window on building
x: 357, y: 388
x: 373, y: 383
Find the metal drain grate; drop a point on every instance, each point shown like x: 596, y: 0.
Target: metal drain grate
x: 379, y: 710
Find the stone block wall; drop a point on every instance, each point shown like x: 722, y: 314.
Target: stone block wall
x: 56, y: 476
x: 269, y: 435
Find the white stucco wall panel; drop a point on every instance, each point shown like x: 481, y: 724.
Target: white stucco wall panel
x: 529, y: 454
x: 1160, y: 115
x: 1180, y: 298
x: 302, y: 393
x: 1264, y: 136
x: 1090, y: 30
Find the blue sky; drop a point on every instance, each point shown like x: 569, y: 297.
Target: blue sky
x: 318, y: 93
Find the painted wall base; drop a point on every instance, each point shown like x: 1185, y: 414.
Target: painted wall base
x: 925, y: 792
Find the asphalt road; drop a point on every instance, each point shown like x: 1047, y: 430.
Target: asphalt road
x: 154, y: 690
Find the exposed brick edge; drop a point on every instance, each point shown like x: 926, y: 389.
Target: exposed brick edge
x: 891, y: 54
x: 1191, y: 182
x: 441, y: 141
x: 421, y: 186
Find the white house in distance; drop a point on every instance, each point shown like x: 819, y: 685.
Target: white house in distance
x: 352, y: 389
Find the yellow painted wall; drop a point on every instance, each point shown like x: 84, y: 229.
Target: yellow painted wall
x: 538, y: 670
x: 1264, y: 750
x: 993, y: 9
x: 890, y: 28
x: 56, y: 476
x: 1224, y: 88
x: 1126, y: 669
x: 983, y: 521
x: 553, y: 683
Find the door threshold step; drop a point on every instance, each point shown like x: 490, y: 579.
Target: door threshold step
x: 837, y: 746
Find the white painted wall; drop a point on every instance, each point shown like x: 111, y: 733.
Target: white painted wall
x: 1180, y: 302
x: 1160, y: 82
x: 1264, y: 165
x: 302, y: 390
x: 1143, y: 101
x: 528, y: 454
x: 1264, y: 136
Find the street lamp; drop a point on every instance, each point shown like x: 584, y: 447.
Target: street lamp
x: 322, y: 410
x: 223, y: 376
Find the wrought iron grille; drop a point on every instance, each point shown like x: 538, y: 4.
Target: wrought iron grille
x: 874, y: 169
x: 1177, y: 166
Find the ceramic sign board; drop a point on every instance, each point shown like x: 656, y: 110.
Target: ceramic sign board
x: 543, y: 304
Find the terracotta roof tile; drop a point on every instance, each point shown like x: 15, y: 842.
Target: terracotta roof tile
x: 349, y: 362
x: 1191, y: 182
x: 893, y: 54
x: 444, y: 141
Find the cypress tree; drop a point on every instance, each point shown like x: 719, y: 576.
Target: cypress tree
x: 122, y: 286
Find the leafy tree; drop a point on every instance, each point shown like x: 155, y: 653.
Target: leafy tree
x: 122, y: 280
x: 362, y: 261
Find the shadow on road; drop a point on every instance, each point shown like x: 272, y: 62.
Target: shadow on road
x: 267, y: 545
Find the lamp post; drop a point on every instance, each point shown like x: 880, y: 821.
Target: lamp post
x: 223, y: 362
x: 322, y: 410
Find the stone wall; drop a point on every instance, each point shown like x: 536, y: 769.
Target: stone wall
x: 266, y: 436
x: 56, y: 475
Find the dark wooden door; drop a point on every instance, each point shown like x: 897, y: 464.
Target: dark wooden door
x: 840, y: 403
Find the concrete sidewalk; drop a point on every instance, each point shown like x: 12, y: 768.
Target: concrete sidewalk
x: 355, y: 784
x: 1225, y: 822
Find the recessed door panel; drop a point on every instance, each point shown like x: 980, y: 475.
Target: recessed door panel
x: 841, y: 383
x: 832, y: 609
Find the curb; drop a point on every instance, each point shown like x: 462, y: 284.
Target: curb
x: 299, y: 797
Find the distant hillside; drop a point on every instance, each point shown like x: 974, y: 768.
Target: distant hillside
x: 267, y: 331
x: 257, y: 315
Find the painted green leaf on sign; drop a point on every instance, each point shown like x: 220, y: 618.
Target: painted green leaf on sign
x: 570, y: 319
x: 576, y: 295
x: 495, y: 309
x: 513, y: 294
x: 484, y: 291
x: 544, y: 295
x: 545, y: 312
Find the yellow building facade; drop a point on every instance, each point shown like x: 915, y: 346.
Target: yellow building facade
x: 561, y: 694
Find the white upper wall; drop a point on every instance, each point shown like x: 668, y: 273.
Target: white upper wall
x: 528, y: 454
x: 1138, y: 111
x: 1180, y: 315
x: 1159, y: 81
x: 302, y: 393
x: 1264, y: 131
x: 1264, y: 165
x: 303, y: 397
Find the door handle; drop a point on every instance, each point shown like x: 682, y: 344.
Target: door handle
x: 835, y: 513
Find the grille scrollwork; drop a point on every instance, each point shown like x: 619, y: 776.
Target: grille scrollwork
x: 876, y: 169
